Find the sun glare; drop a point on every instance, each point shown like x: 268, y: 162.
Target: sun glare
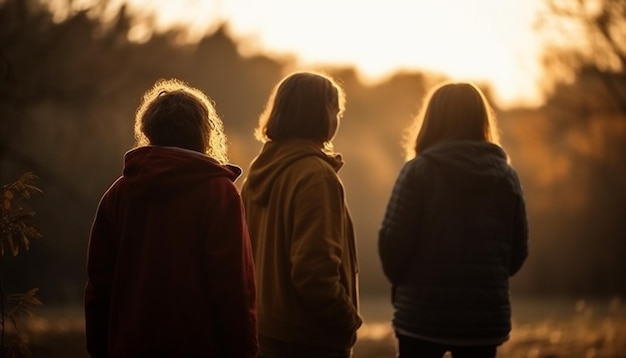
x: 487, y: 41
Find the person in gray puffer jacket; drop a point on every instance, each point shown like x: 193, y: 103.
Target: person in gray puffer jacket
x: 454, y: 232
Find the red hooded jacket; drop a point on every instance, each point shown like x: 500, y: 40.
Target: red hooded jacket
x: 170, y: 270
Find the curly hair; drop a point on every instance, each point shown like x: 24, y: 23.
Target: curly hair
x: 172, y: 113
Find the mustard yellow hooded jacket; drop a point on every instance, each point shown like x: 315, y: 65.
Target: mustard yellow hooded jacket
x: 304, y: 246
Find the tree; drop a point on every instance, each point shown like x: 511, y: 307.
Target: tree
x: 599, y: 52
x: 16, y: 233
x: 584, y: 132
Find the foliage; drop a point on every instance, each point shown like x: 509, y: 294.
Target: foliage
x: 15, y: 229
x: 16, y: 233
x: 74, y: 83
x: 594, y: 98
x: 599, y: 51
x: 574, y: 168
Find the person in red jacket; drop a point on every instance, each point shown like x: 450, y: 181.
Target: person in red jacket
x: 170, y: 270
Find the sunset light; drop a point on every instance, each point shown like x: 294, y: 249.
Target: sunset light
x: 488, y: 41
x: 77, y: 75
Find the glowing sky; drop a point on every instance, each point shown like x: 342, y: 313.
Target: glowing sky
x: 482, y: 40
x: 479, y: 39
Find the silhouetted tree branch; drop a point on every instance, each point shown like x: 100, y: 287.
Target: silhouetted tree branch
x: 601, y: 51
x: 16, y: 233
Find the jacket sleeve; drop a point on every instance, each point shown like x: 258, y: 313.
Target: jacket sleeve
x: 519, y: 251
x: 398, y: 233
x: 316, y: 253
x: 101, y: 254
x: 231, y: 271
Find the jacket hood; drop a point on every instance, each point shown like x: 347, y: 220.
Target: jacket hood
x: 469, y: 163
x: 161, y: 171
x: 275, y: 157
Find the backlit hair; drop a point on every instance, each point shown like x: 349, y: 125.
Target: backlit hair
x: 174, y: 114
x: 301, y: 106
x: 452, y: 112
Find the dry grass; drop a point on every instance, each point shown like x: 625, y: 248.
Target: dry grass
x: 543, y: 328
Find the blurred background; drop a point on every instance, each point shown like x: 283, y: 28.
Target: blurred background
x: 72, y: 74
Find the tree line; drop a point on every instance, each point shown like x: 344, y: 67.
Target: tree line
x: 69, y: 89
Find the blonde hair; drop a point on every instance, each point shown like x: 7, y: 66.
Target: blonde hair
x: 300, y: 106
x: 172, y: 113
x: 452, y: 111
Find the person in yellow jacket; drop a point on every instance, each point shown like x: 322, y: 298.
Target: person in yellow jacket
x: 300, y: 227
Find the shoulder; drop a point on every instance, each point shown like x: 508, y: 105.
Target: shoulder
x: 513, y: 180
x: 313, y: 167
x: 419, y: 164
x: 113, y: 191
x: 220, y: 187
x: 419, y: 168
x: 313, y: 162
x: 313, y: 177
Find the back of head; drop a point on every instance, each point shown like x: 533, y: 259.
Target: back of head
x: 452, y: 112
x: 174, y: 114
x: 303, y: 105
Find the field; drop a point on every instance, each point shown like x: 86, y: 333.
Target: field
x: 542, y: 328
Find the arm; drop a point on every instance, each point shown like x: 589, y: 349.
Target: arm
x: 232, y: 273
x: 398, y: 233
x: 317, y: 250
x: 519, y: 251
x: 101, y: 255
